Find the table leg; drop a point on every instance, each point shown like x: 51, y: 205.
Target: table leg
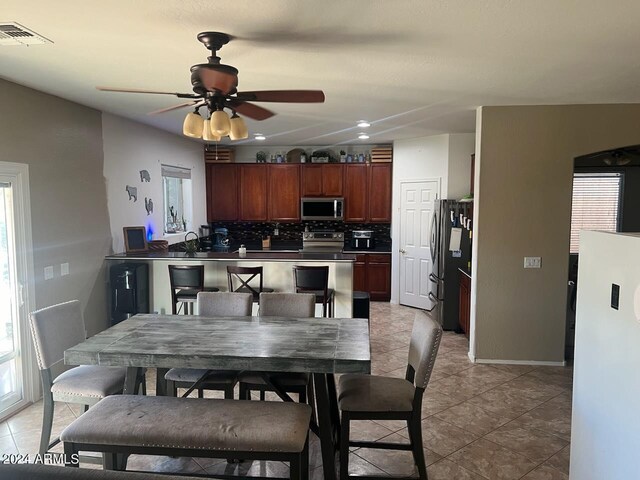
x: 325, y: 426
x: 333, y: 408
x: 161, y: 383
x: 130, y: 380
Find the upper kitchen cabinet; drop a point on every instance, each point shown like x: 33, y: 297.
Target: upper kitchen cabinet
x: 284, y: 193
x: 380, y: 192
x: 252, y: 192
x: 321, y: 180
x: 222, y: 192
x: 355, y: 193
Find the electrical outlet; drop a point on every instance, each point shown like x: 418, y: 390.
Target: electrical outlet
x: 532, y: 262
x: 64, y: 269
x: 48, y: 272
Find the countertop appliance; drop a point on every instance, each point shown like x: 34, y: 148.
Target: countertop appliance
x: 312, y: 208
x: 221, y: 240
x: 362, y: 240
x: 323, y: 241
x: 447, y: 256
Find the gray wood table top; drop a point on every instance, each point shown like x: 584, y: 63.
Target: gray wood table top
x: 281, y: 344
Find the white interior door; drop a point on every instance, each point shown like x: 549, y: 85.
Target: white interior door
x: 416, y: 210
x: 16, y: 373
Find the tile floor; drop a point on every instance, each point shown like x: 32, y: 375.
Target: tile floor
x: 502, y: 422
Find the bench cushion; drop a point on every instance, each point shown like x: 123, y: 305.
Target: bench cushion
x: 90, y: 381
x: 294, y: 379
x: 193, y: 423
x: 372, y: 393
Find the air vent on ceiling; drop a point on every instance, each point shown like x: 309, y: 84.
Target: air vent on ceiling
x: 12, y: 33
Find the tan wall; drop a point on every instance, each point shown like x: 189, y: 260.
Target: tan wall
x: 524, y: 167
x: 61, y: 142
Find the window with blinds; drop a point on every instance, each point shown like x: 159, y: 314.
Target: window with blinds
x: 595, y: 204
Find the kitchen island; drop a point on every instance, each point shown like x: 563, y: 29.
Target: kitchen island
x: 278, y: 273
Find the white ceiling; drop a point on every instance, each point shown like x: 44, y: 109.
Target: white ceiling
x: 411, y: 67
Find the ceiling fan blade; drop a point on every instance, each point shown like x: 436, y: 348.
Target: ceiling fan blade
x: 195, y: 103
x: 249, y: 110
x: 290, y: 96
x: 216, y: 80
x: 139, y: 90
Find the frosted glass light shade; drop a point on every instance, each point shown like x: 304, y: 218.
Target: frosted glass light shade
x: 193, y: 125
x: 238, y: 128
x: 207, y: 134
x: 220, y: 123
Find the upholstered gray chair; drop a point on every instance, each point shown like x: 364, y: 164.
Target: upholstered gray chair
x: 372, y: 397
x: 301, y: 305
x: 212, y: 304
x: 54, y: 329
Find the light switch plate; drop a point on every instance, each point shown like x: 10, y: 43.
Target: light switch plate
x: 64, y: 269
x: 532, y: 262
x: 48, y: 272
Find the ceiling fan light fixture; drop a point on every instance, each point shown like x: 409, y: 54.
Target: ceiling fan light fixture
x: 220, y: 123
x: 363, y: 124
x: 207, y: 134
x: 259, y: 136
x: 238, y: 129
x: 193, y: 125
x: 363, y: 136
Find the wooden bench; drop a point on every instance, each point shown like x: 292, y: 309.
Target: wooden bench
x: 30, y: 471
x: 193, y: 427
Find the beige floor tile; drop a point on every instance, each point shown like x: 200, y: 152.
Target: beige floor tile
x: 4, y: 429
x: 533, y: 444
x: 486, y: 373
x: 516, y: 370
x: 458, y: 388
x: 492, y: 461
x: 447, y: 470
x: 31, y: 417
x: 535, y: 388
x: 367, y: 430
x: 472, y: 418
x: 549, y: 419
x: 393, y: 425
x: 505, y: 403
x: 252, y: 468
x: 544, y: 472
x: 442, y: 437
x: 560, y: 461
x: 359, y: 466
x: 7, y: 446
x: 395, y: 462
x: 434, y: 402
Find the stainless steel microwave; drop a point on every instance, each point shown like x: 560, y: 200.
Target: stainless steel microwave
x: 321, y: 208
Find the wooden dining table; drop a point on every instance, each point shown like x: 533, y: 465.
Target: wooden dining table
x: 320, y: 347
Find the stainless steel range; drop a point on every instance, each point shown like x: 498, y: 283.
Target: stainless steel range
x: 322, y: 241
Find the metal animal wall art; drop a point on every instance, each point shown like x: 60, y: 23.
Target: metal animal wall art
x: 148, y: 205
x: 133, y: 193
x: 144, y: 176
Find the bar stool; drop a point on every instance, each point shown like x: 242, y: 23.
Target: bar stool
x: 242, y: 277
x: 186, y: 281
x: 315, y: 280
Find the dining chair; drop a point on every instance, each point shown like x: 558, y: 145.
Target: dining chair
x: 299, y: 305
x: 212, y: 304
x: 315, y: 280
x: 373, y: 397
x: 185, y: 282
x: 54, y: 329
x: 244, y: 279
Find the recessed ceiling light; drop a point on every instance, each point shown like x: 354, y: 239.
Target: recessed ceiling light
x: 363, y: 136
x: 363, y: 124
x: 259, y: 136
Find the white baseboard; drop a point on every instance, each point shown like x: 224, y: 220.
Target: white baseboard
x: 472, y: 357
x: 518, y: 362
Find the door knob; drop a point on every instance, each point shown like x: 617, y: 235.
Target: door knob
x: 403, y: 251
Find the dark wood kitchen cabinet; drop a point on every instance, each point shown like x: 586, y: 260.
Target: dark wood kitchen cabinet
x: 355, y: 193
x: 321, y: 180
x: 252, y: 193
x: 465, y: 303
x: 372, y: 273
x: 379, y: 192
x: 222, y: 192
x: 284, y: 193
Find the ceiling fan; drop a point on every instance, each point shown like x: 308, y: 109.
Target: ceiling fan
x: 616, y: 157
x: 215, y: 87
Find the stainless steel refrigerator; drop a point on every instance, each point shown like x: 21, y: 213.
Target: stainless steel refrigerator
x: 448, y: 256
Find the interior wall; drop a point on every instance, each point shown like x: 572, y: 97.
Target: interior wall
x: 604, y: 432
x: 461, y: 147
x: 70, y: 221
x: 130, y: 147
x: 524, y: 170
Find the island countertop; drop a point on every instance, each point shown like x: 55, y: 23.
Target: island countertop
x: 264, y: 256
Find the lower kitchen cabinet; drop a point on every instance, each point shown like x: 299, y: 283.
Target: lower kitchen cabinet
x: 372, y: 273
x: 465, y: 303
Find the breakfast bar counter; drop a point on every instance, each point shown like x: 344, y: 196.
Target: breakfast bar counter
x: 277, y: 267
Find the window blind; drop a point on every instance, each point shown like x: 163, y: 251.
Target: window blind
x: 595, y: 204
x: 176, y: 172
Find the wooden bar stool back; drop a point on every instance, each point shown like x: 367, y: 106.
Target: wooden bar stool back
x: 247, y: 280
x: 315, y: 280
x: 186, y: 281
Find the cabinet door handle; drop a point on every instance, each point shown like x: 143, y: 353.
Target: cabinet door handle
x: 403, y: 251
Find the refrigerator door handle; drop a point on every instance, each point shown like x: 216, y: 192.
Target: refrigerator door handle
x: 434, y: 236
x: 434, y: 278
x: 435, y: 301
